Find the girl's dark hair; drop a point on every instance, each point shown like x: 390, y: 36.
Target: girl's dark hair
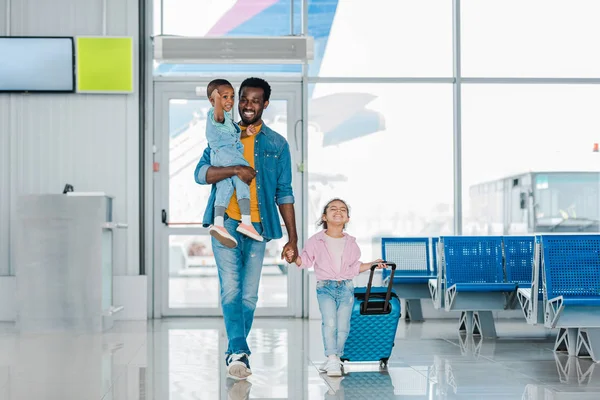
x: 324, y: 223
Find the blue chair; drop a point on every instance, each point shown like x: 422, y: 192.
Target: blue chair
x: 571, y: 284
x: 532, y: 309
x: 414, y: 269
x: 436, y: 285
x: 518, y: 261
x: 473, y: 271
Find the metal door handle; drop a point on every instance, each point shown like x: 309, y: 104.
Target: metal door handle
x: 296, y: 134
x: 114, y: 225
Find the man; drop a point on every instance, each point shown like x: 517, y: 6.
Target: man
x: 270, y: 178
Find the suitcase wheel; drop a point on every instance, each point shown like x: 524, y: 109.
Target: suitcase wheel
x: 383, y: 363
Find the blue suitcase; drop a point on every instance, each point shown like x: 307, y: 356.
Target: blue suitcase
x: 374, y: 321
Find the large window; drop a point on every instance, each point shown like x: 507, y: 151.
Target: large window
x: 227, y: 17
x: 387, y: 150
x: 511, y: 131
x: 386, y: 100
x: 381, y: 38
x: 532, y: 38
x: 398, y: 137
x: 567, y: 200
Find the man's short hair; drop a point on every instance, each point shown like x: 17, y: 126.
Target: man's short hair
x: 214, y: 84
x: 257, y: 83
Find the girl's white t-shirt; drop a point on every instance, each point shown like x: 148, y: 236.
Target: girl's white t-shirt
x: 336, y: 249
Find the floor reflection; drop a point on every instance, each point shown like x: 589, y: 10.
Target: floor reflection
x: 184, y: 359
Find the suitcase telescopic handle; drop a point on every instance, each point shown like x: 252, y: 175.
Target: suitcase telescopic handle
x: 389, y: 289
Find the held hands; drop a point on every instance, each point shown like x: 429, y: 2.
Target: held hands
x: 290, y: 253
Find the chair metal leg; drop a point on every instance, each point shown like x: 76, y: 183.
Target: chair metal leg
x: 414, y: 311
x: 588, y: 343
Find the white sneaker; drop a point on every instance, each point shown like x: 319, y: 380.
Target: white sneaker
x: 332, y: 367
x: 323, y: 367
x: 335, y: 369
x: 238, y: 366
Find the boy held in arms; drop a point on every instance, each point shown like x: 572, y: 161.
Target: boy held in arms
x: 223, y: 136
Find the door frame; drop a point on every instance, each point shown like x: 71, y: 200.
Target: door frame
x: 165, y: 91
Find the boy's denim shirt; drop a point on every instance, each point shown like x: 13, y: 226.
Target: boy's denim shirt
x: 221, y: 134
x: 273, y: 164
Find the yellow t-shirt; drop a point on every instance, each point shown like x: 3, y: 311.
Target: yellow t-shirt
x: 233, y: 211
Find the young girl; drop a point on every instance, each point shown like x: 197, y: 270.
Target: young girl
x: 335, y: 257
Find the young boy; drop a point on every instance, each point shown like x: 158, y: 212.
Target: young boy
x: 226, y: 150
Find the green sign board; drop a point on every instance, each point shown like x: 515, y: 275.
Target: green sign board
x: 104, y: 64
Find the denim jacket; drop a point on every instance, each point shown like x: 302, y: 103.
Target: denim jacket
x: 273, y: 164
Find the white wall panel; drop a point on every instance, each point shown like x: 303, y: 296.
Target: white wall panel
x: 89, y: 141
x: 58, y: 17
x: 4, y: 185
x: 3, y: 17
x: 4, y: 167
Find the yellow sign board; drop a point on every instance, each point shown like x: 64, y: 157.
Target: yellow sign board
x: 104, y: 64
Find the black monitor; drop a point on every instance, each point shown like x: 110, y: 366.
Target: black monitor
x: 37, y: 64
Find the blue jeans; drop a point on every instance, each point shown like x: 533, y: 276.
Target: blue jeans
x: 227, y: 156
x: 336, y: 299
x: 225, y: 191
x: 239, y: 275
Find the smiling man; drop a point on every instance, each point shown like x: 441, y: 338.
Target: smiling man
x: 270, y: 178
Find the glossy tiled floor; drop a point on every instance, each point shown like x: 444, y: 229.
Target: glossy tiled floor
x: 181, y: 359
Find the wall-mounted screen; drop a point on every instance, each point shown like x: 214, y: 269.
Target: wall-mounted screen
x: 37, y: 64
